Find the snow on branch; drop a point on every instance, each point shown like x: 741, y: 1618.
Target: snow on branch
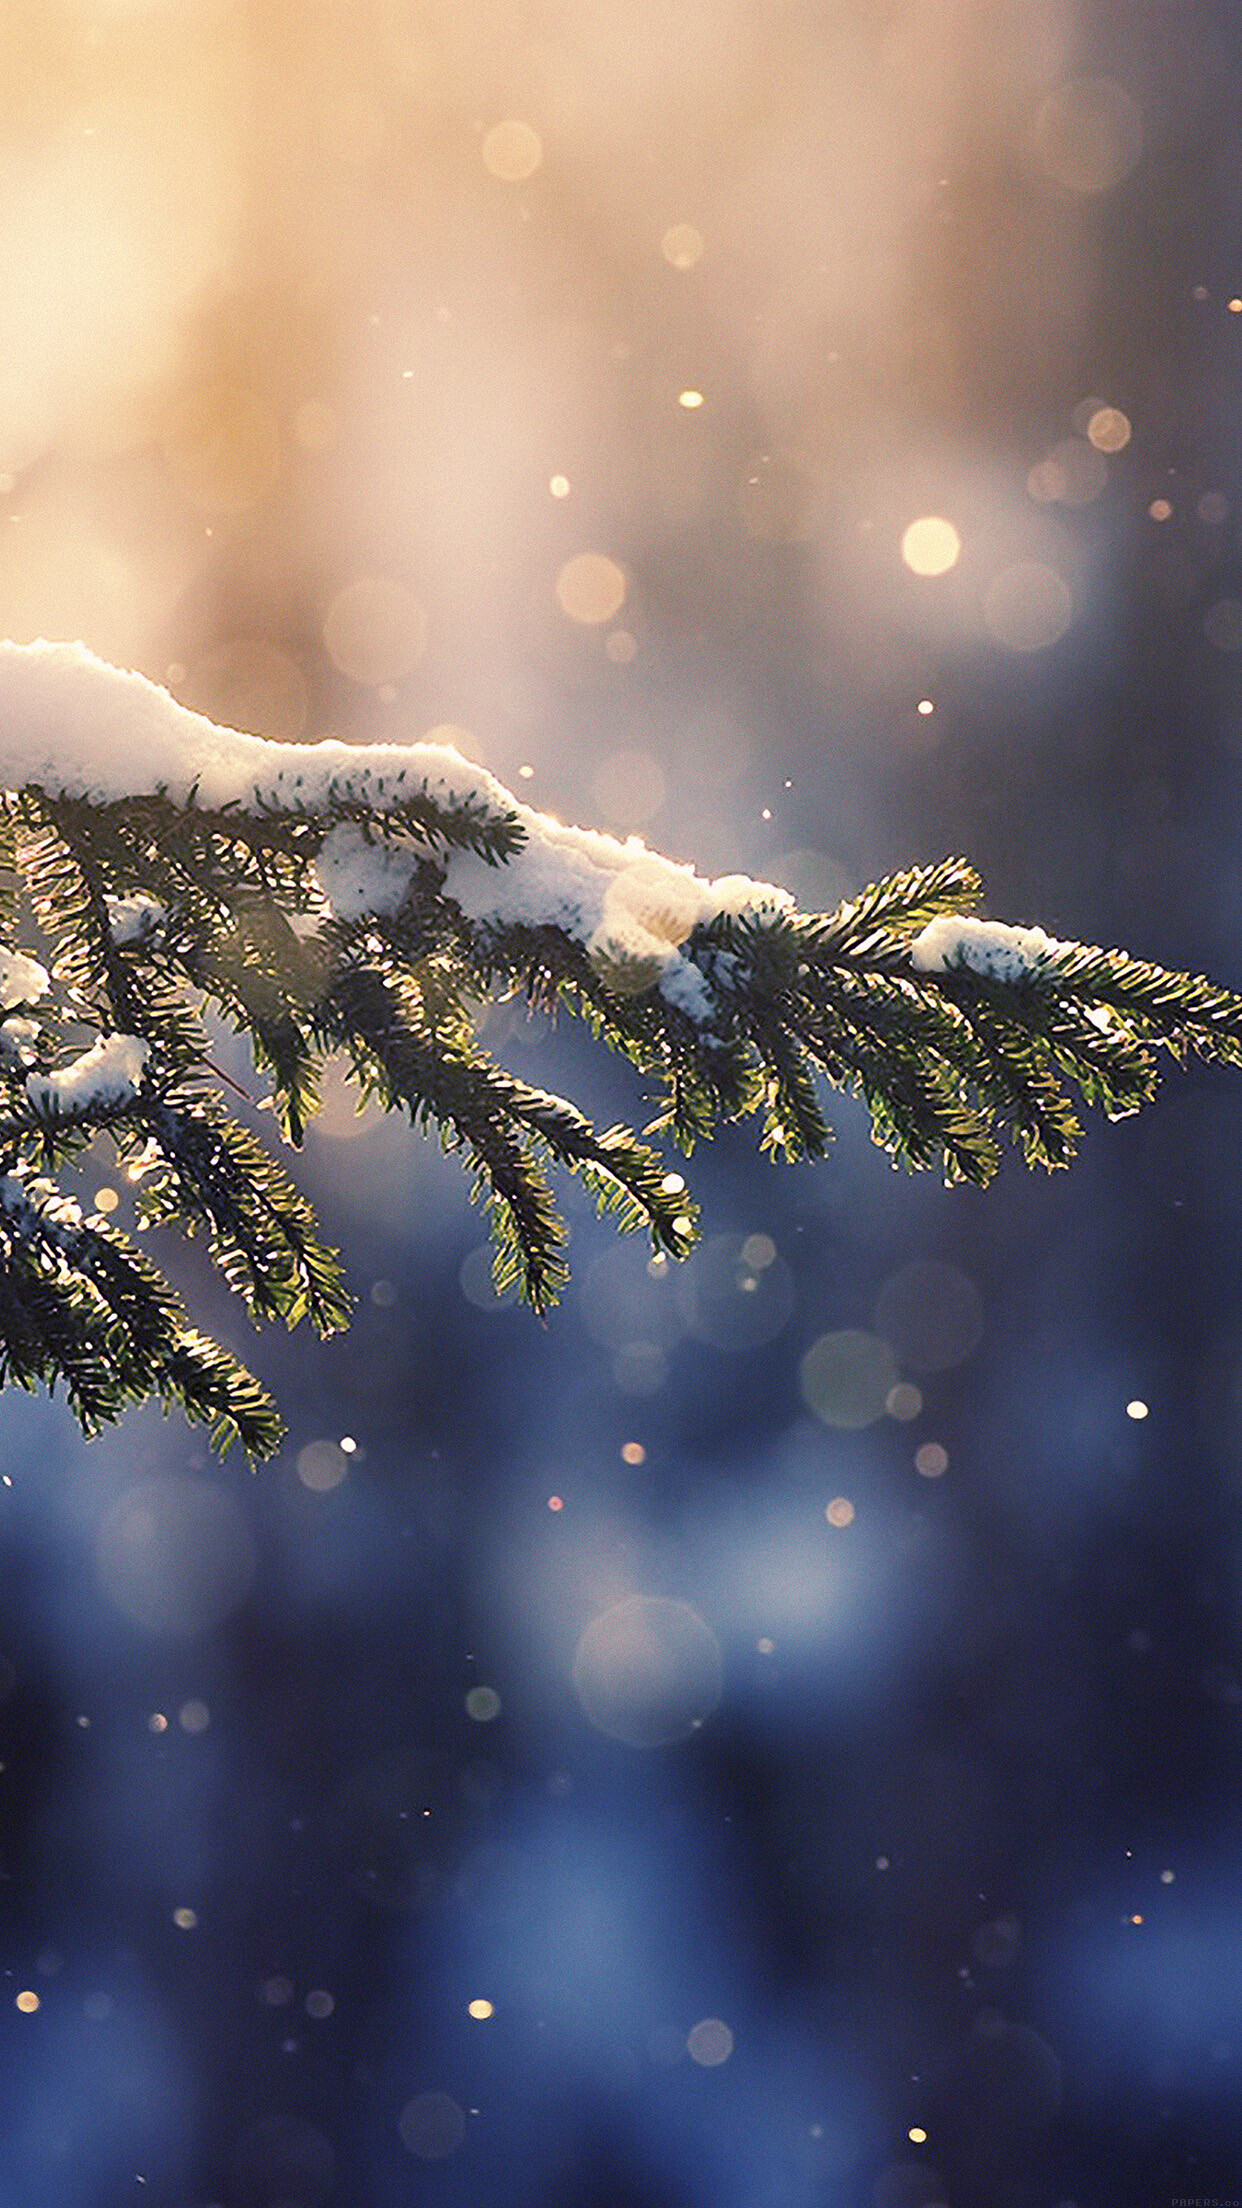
x: 106, y: 1074
x: 985, y: 947
x: 22, y: 980
x: 71, y: 725
x: 360, y: 901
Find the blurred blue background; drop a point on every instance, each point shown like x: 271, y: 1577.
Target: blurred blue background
x: 768, y: 1738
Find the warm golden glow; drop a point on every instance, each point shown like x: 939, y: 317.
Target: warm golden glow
x: 931, y: 546
x: 1109, y: 429
x: 375, y: 630
x: 591, y: 588
x: 512, y: 151
x: 682, y: 246
x: 629, y: 787
x: 222, y: 445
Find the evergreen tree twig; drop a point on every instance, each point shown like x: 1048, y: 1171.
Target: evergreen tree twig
x: 362, y: 905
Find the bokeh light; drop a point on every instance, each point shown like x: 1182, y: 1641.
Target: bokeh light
x: 709, y: 2043
x: 624, y: 1302
x: 348, y: 387
x: 931, y: 545
x: 682, y: 246
x: 1088, y: 135
x: 512, y: 151
x: 904, y: 1401
x: 342, y: 1115
x: 432, y: 2126
x: 322, y: 1465
x: 477, y: 1276
x: 1074, y: 474
x: 1109, y: 429
x: 648, y: 1671
x: 817, y: 881
x: 732, y: 1299
x: 847, y: 1378
x: 375, y: 630
x: 591, y: 588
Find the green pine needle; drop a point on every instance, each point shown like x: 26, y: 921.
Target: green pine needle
x: 952, y: 1064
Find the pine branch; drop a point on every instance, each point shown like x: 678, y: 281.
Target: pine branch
x: 78, y: 1304
x: 362, y: 903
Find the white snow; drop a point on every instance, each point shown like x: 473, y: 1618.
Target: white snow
x: 684, y: 984
x: 357, y: 876
x: 22, y: 980
x: 108, y: 1073
x: 71, y: 723
x: 133, y: 919
x: 986, y: 947
x: 629, y: 907
x: 17, y: 1038
x: 54, y: 1211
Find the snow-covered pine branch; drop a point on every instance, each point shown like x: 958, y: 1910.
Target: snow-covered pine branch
x: 359, y: 900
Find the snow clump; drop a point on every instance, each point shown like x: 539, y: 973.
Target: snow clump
x: 985, y: 947
x: 108, y: 1073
